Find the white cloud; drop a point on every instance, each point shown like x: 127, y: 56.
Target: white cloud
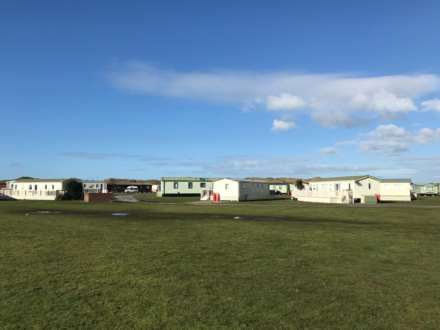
x: 394, y: 139
x: 282, y: 125
x: 384, y: 102
x: 338, y: 119
x: 289, y: 166
x: 284, y: 101
x: 388, y: 139
x: 330, y: 99
x: 328, y: 151
x: 427, y: 135
x: 431, y: 105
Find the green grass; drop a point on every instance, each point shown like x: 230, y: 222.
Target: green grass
x: 152, y: 198
x: 428, y: 200
x: 281, y: 265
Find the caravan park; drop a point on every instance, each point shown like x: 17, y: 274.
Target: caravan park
x: 179, y: 262
x: 225, y: 165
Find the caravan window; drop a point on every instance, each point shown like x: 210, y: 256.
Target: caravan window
x: 202, y: 184
x: 176, y: 185
x: 190, y: 185
x: 226, y: 186
x: 369, y: 185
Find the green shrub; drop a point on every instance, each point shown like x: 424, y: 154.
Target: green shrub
x: 299, y: 184
x: 73, y: 190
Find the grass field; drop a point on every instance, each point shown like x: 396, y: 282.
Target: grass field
x: 179, y: 265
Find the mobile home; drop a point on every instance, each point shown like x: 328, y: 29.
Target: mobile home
x: 429, y: 189
x: 242, y: 190
x: 94, y: 186
x: 184, y: 186
x: 281, y: 188
x: 34, y: 189
x: 353, y: 189
x: 395, y: 190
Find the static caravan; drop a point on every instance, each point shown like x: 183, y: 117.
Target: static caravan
x: 242, y: 190
x: 429, y: 189
x: 2, y: 188
x: 349, y: 189
x: 395, y: 190
x: 184, y: 186
x: 353, y: 189
x: 280, y: 188
x: 94, y: 186
x: 34, y: 189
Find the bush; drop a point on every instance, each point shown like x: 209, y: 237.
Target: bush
x: 73, y: 190
x: 299, y: 184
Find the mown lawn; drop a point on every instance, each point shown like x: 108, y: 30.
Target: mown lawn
x: 280, y: 265
x: 153, y: 198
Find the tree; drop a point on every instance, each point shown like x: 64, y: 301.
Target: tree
x: 299, y: 184
x: 73, y: 189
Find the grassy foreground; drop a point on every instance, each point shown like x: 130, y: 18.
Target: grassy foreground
x: 281, y: 265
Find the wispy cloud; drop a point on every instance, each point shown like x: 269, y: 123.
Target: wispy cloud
x: 282, y: 125
x: 419, y: 168
x: 284, y: 101
x: 431, y: 105
x: 394, y: 139
x: 103, y: 156
x: 284, y: 166
x: 99, y: 155
x: 390, y: 139
x: 328, y: 151
x: 330, y: 99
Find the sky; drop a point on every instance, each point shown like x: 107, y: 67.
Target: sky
x: 144, y: 89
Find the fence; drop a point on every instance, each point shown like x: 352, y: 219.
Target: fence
x: 341, y: 196
x: 31, y: 194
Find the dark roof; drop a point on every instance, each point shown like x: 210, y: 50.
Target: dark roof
x: 38, y: 180
x: 123, y: 182
x: 245, y: 180
x: 187, y: 178
x: 396, y: 180
x: 342, y: 178
x: 359, y: 178
x: 275, y: 180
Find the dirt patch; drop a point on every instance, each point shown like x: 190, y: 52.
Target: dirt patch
x: 125, y: 199
x: 42, y: 212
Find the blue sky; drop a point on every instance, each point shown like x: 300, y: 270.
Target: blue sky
x: 144, y: 89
